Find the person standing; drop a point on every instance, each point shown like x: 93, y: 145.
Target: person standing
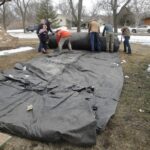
x: 94, y: 30
x: 43, y: 36
x: 48, y: 24
x: 40, y: 26
x: 126, y: 34
x: 62, y: 36
x: 109, y: 37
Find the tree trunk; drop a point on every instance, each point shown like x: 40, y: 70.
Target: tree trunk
x: 24, y: 21
x: 73, y: 11
x: 77, y: 19
x: 2, y: 2
x: 115, y: 16
x: 22, y: 6
x: 79, y: 15
x: 4, y: 18
x: 114, y: 4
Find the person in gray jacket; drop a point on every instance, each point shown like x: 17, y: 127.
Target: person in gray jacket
x: 109, y: 37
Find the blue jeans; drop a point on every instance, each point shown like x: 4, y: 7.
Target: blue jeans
x: 127, y: 44
x: 43, y: 45
x: 40, y: 47
x: 94, y: 41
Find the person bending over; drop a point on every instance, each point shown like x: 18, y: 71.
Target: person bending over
x: 62, y: 36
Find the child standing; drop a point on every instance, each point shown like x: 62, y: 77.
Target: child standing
x: 43, y: 35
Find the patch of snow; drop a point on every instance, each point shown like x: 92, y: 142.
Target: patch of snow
x: 127, y: 77
x: 17, y: 50
x: 11, y: 76
x: 141, y: 110
x: 29, y: 107
x: 15, y: 31
x: 24, y: 68
x: 24, y: 35
x: 148, y: 69
x: 115, y: 64
x: 145, y: 40
x: 123, y: 61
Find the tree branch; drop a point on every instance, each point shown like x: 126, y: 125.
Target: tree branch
x: 3, y: 1
x: 73, y: 10
x: 128, y: 1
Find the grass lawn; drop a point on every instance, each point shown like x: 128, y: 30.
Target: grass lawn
x: 129, y: 129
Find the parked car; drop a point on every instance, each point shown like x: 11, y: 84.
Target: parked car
x: 141, y: 28
x: 32, y: 28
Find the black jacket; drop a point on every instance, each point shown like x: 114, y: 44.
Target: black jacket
x: 41, y: 26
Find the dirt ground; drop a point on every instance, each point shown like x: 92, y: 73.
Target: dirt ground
x: 129, y: 129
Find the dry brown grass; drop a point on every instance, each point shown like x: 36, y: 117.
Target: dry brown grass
x: 9, y: 61
x: 129, y: 129
x: 29, y: 42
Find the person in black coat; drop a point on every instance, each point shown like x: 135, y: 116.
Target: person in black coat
x: 43, y: 36
x: 48, y: 24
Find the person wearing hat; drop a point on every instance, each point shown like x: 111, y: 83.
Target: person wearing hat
x: 63, y: 35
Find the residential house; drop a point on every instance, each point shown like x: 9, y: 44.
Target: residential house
x: 64, y: 21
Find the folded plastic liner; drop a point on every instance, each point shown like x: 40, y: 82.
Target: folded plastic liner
x: 63, y: 96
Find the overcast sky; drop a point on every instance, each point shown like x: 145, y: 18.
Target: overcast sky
x: 86, y: 3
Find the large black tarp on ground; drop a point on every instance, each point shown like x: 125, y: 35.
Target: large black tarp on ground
x: 73, y: 95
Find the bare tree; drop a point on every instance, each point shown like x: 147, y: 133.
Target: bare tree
x: 2, y: 2
x: 95, y: 11
x: 6, y: 15
x: 3, y: 12
x: 116, y: 6
x: 140, y: 7
x: 32, y: 12
x: 22, y: 6
x: 64, y: 8
x: 77, y: 18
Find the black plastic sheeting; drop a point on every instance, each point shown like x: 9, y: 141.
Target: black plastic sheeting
x: 81, y: 41
x: 73, y: 95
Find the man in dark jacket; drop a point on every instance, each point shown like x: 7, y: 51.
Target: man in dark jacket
x: 48, y: 23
